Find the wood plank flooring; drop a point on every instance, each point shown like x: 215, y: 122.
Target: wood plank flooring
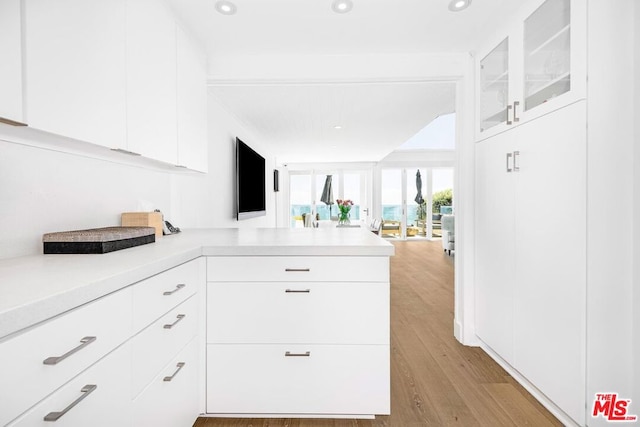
x: 435, y: 381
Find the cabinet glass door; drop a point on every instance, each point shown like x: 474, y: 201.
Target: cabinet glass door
x: 547, y: 53
x: 494, y: 86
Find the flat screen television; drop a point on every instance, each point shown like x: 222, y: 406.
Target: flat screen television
x: 250, y: 182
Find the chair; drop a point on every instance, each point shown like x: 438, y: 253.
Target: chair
x: 375, y: 226
x: 448, y: 233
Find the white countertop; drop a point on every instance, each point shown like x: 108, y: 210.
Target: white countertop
x: 36, y: 288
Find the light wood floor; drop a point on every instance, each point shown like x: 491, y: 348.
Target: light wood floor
x: 435, y: 381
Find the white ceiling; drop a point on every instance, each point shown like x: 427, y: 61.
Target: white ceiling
x: 296, y: 119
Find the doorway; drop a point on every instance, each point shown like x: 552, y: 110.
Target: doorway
x: 413, y: 200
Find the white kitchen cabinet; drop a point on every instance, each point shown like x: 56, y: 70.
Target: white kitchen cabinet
x: 532, y: 67
x: 40, y: 360
x: 162, y: 340
x: 191, y: 103
x: 495, y: 244
x: 103, y: 343
x: 298, y: 379
x: 151, y: 80
x: 11, y: 65
x: 97, y: 397
x: 531, y: 253
x: 298, y: 312
x: 298, y: 335
x: 171, y: 399
x: 76, y: 69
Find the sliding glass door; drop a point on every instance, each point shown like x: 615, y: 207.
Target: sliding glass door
x: 412, y: 200
x: 306, y: 189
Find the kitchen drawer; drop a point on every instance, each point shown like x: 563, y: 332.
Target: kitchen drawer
x: 313, y: 379
x: 174, y: 402
x: 26, y: 378
x: 156, y: 345
x: 104, y: 393
x: 306, y: 312
x: 298, y: 269
x: 156, y: 295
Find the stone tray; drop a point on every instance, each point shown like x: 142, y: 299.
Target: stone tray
x: 97, y: 240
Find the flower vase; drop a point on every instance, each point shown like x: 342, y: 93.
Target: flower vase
x: 343, y: 219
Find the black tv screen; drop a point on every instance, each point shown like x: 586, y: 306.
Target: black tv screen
x: 250, y: 182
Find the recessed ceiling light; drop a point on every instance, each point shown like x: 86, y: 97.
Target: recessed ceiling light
x: 342, y: 6
x: 458, y: 5
x: 225, y: 7
x: 337, y: 127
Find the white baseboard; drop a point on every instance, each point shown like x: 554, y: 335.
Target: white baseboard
x: 343, y: 416
x: 537, y: 394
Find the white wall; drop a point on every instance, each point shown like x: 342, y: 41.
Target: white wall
x: 208, y: 200
x: 610, y: 207
x: 636, y: 230
x: 45, y: 191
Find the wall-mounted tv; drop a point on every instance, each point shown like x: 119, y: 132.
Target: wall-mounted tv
x: 250, y: 182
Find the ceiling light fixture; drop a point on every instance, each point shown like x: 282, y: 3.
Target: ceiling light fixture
x: 225, y: 7
x: 342, y: 6
x: 337, y: 127
x: 458, y: 5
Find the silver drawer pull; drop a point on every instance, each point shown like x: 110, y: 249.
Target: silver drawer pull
x: 298, y: 291
x: 305, y: 354
x: 86, y: 391
x: 299, y: 270
x: 180, y: 365
x: 171, y: 325
x: 178, y: 287
x: 54, y: 360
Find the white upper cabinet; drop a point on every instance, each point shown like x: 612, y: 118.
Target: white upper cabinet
x: 11, y: 64
x: 76, y: 70
x: 533, y: 67
x: 151, y: 80
x: 192, y: 104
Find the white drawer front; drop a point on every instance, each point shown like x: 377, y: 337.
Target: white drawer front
x: 26, y: 378
x: 261, y: 379
x: 298, y: 269
x: 305, y: 312
x: 108, y: 404
x: 157, y: 344
x: 156, y: 295
x: 171, y: 403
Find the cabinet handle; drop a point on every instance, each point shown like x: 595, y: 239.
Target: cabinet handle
x: 54, y: 360
x: 123, y: 151
x: 516, y: 119
x: 305, y: 354
x: 509, y: 108
x: 516, y: 167
x: 11, y: 122
x: 509, y: 156
x: 178, y: 287
x: 297, y: 269
x: 180, y: 365
x: 171, y: 325
x: 86, y: 391
x: 298, y: 291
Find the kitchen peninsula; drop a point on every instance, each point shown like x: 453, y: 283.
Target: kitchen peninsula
x: 286, y: 321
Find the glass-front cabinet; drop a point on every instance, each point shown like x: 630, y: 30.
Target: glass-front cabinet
x: 534, y: 65
x: 494, y: 84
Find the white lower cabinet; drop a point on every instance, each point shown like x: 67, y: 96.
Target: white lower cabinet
x: 171, y: 398
x: 137, y: 348
x: 322, y: 313
x: 298, y: 379
x: 99, y: 397
x: 298, y: 335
